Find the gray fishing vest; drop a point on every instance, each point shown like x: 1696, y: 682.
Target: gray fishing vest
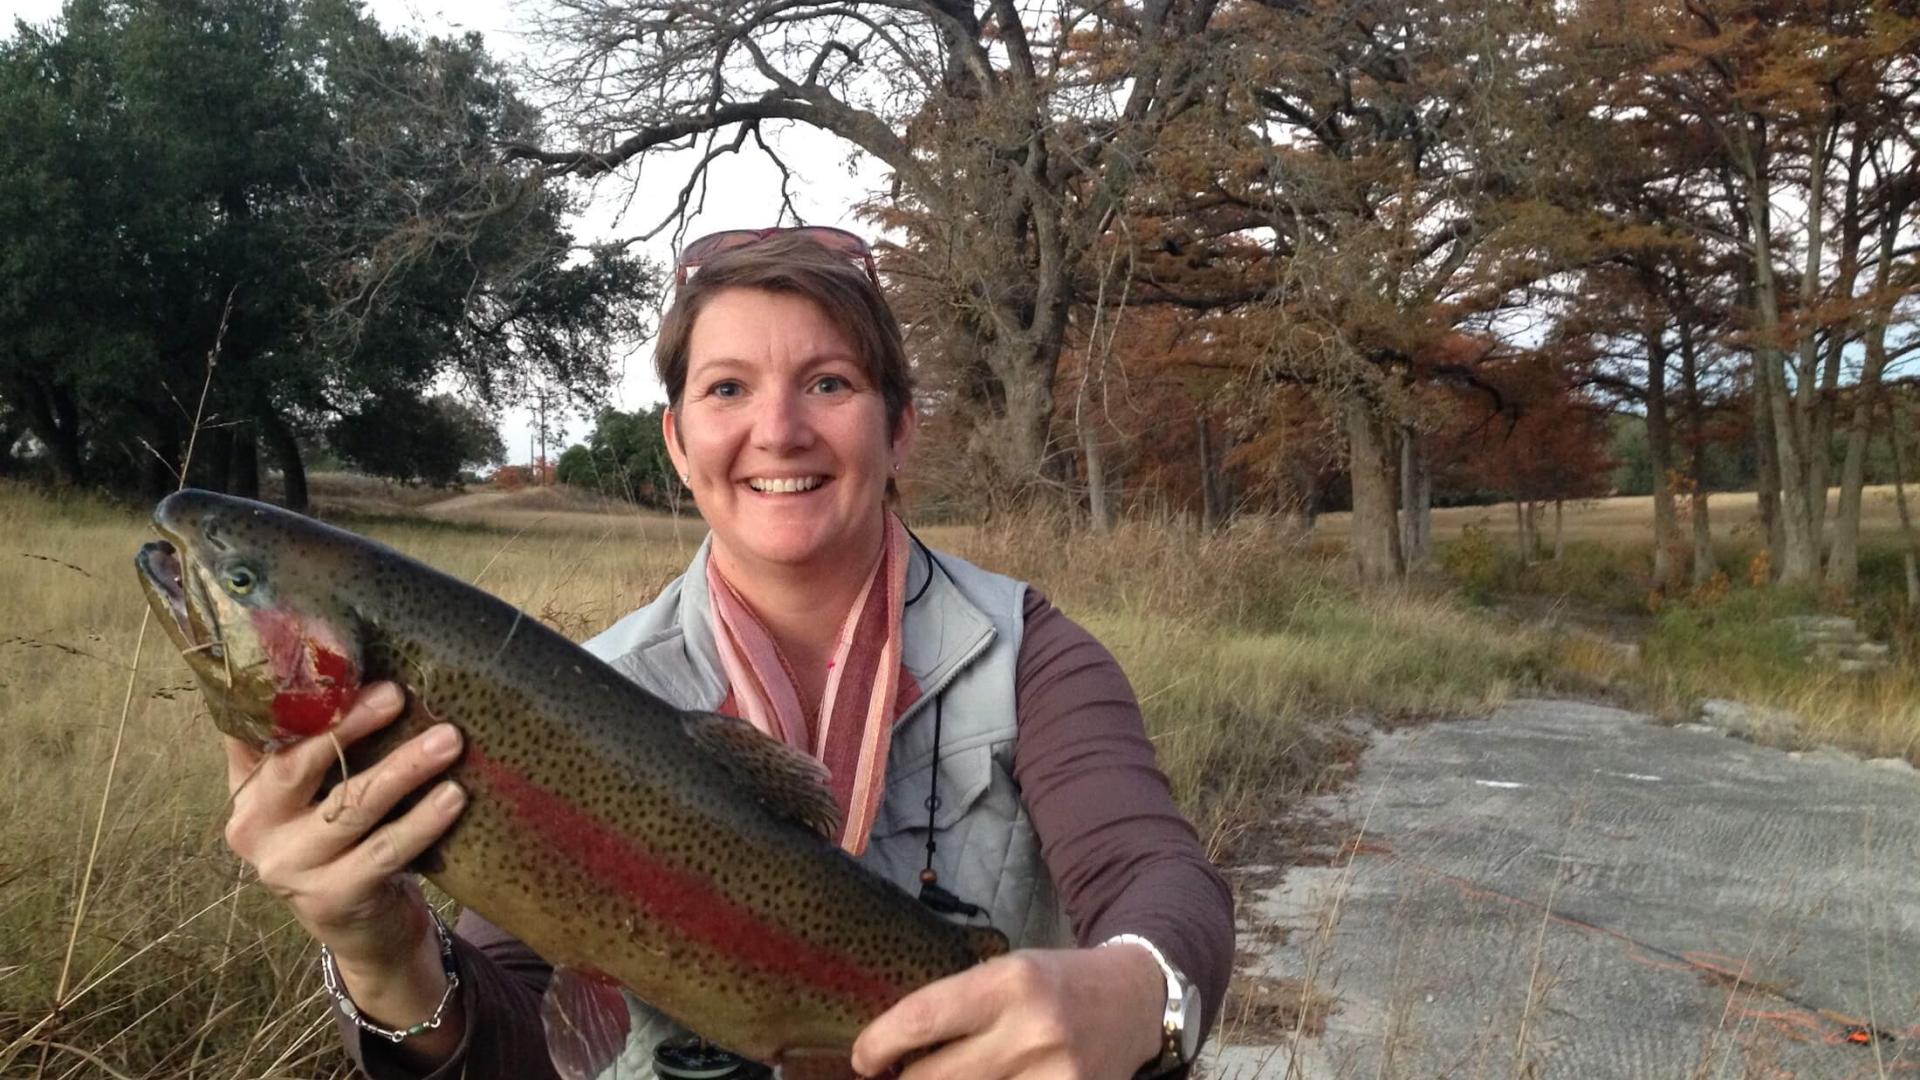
x: 961, y: 643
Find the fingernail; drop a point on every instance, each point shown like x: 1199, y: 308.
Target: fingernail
x: 449, y: 796
x: 442, y: 739
x: 386, y: 696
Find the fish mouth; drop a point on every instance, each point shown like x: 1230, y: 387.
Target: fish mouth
x: 165, y: 578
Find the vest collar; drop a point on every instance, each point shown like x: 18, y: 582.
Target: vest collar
x: 943, y: 631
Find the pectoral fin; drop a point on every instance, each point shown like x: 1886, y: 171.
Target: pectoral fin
x: 586, y: 1020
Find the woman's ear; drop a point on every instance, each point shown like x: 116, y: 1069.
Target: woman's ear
x: 676, y: 449
x: 903, y: 433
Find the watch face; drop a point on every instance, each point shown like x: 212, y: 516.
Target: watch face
x: 1189, y: 1024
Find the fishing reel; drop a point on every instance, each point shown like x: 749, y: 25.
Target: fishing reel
x: 689, y: 1057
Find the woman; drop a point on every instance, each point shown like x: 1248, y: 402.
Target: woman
x: 985, y: 750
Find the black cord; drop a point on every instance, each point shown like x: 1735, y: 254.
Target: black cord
x: 932, y: 893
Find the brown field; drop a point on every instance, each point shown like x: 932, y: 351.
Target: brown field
x: 1628, y: 519
x: 120, y: 903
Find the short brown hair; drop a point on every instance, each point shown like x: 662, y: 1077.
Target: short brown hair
x: 785, y: 263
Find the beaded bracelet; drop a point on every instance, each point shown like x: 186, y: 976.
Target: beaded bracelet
x: 330, y: 976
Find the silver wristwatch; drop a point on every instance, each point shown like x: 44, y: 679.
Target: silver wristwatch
x: 1180, y: 1022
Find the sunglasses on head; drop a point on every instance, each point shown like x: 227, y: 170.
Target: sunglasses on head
x: 713, y: 245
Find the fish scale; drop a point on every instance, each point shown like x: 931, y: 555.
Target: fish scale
x: 614, y: 834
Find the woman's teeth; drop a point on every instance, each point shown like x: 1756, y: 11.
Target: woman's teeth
x: 790, y: 485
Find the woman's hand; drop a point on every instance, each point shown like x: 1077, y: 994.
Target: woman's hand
x: 336, y: 866
x: 1061, y: 1014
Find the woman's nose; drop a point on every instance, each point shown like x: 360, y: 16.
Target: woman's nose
x: 780, y: 423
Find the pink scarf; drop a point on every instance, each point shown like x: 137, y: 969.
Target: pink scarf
x: 866, y: 687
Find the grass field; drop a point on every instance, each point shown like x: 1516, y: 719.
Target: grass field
x: 1628, y: 519
x: 1242, y: 651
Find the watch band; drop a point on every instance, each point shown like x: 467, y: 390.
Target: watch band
x: 1173, y: 1017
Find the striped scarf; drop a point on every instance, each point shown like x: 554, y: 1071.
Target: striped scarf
x: 867, y: 688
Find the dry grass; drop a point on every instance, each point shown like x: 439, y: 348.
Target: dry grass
x: 1626, y: 519
x: 1732, y: 647
x: 1721, y: 640
x: 1240, y: 647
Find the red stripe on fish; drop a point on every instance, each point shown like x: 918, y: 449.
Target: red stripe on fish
x: 688, y: 902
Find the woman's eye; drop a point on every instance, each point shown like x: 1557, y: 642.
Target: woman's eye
x: 831, y: 384
x: 727, y: 389
x: 239, y: 580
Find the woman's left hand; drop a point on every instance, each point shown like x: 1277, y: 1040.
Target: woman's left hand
x: 1058, y: 1014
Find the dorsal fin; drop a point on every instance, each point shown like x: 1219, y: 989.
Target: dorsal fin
x: 785, y: 781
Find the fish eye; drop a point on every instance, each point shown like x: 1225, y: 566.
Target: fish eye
x: 239, y: 580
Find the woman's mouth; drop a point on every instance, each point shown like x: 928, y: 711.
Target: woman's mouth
x: 784, y: 485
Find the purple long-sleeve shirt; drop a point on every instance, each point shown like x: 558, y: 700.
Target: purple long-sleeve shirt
x: 1122, y: 857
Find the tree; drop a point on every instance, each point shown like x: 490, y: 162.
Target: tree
x: 1805, y: 109
x: 625, y: 457
x: 1013, y: 136
x: 1402, y: 158
x: 356, y: 241
x: 432, y: 441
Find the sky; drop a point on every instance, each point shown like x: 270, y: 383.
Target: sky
x: 744, y: 190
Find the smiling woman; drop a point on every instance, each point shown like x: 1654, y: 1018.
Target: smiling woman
x: 785, y: 439
x: 980, y: 749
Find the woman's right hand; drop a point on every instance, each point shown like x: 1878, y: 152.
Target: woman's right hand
x: 336, y: 866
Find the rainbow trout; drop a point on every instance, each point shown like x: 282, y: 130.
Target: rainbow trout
x: 681, y: 854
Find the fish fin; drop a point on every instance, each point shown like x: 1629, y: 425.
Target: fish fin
x: 785, y: 780
x: 806, y: 1064
x: 987, y: 943
x: 586, y: 1020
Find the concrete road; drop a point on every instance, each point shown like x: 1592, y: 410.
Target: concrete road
x: 1567, y: 890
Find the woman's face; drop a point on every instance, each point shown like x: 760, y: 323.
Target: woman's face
x: 783, y: 435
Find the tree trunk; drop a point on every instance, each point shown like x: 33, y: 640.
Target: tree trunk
x: 157, y: 478
x: 1520, y: 530
x: 1820, y: 441
x: 245, y: 470
x: 1375, y: 535
x: 214, y: 450
x: 1906, y: 515
x: 1660, y: 451
x: 286, y: 452
x: 54, y: 419
x: 1799, y: 551
x: 1843, y: 560
x: 1019, y: 435
x: 1799, y: 556
x: 1212, y: 514
x: 1416, y: 499
x: 11, y: 430
x: 1559, y: 530
x: 1098, y: 509
x: 1766, y: 487
x: 1766, y: 449
x: 1704, y: 564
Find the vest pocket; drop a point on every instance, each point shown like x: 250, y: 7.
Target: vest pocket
x: 965, y: 776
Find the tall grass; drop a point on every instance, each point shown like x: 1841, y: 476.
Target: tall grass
x: 1724, y: 639
x: 1242, y: 651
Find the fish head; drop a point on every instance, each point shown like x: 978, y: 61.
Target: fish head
x: 244, y: 591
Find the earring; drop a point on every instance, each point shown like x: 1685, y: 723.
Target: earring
x: 896, y: 466
x: 687, y: 479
